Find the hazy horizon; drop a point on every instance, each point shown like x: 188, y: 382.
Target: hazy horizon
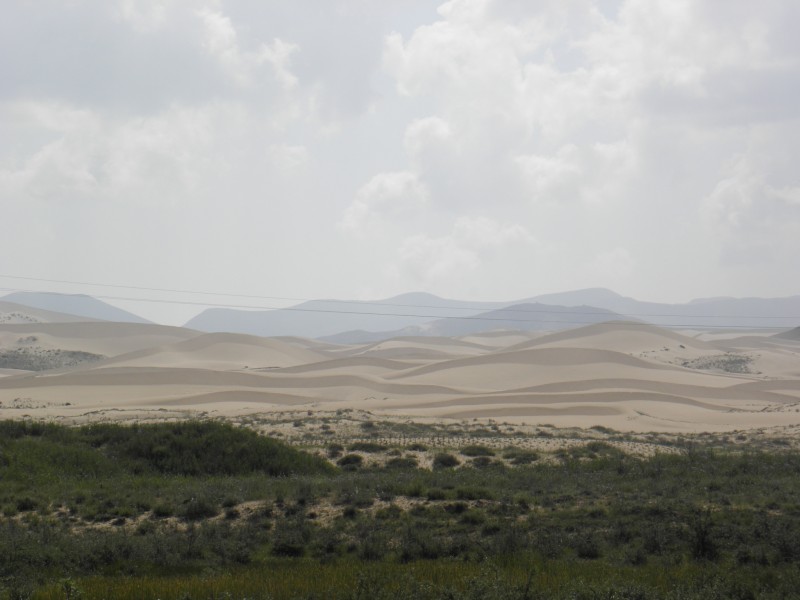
x: 176, y: 312
x: 473, y: 149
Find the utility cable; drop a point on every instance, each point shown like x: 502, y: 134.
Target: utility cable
x: 355, y: 302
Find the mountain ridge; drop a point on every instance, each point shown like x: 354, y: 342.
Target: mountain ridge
x: 79, y: 305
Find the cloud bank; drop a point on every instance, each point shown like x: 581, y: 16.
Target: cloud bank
x: 472, y: 148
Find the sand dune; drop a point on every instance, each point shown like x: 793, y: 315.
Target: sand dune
x: 351, y: 364
x: 13, y: 313
x: 97, y: 337
x: 220, y: 351
x: 502, y: 339
x: 619, y: 375
x: 636, y: 339
x: 421, y: 348
x: 9, y: 372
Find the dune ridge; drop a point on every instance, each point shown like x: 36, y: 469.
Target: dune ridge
x: 625, y: 376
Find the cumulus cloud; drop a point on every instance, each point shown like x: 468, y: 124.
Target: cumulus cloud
x: 148, y: 160
x: 223, y: 43
x: 470, y: 249
x: 385, y: 197
x: 288, y: 157
x: 646, y: 145
x: 144, y: 15
x: 425, y: 137
x: 758, y: 223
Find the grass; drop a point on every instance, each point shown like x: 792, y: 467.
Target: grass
x: 201, y: 510
x: 506, y: 578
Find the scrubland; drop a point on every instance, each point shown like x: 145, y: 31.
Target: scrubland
x: 211, y: 510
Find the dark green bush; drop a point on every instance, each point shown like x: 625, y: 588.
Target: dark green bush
x: 163, y: 510
x: 369, y: 447
x: 407, y: 462
x: 350, y: 461
x: 201, y: 448
x: 473, y: 451
x: 444, y: 460
x: 481, y: 462
x: 199, y: 508
x: 520, y: 457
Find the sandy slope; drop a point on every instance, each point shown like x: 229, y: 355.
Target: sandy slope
x: 220, y: 351
x: 620, y: 375
x: 13, y: 313
x: 96, y: 337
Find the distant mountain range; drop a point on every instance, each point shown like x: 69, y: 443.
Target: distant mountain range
x: 428, y: 315
x: 522, y: 317
x: 12, y: 313
x: 320, y: 318
x: 425, y: 314
x: 76, y: 305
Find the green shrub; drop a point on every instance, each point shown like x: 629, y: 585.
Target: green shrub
x: 201, y: 448
x: 477, y: 451
x: 350, y: 461
x: 436, y: 494
x: 26, y: 504
x: 369, y: 447
x: 520, y: 457
x: 291, y: 537
x: 199, y: 508
x: 407, y: 462
x: 163, y: 510
x: 444, y: 460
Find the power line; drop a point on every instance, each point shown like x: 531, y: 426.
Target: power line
x: 416, y: 315
x: 356, y: 302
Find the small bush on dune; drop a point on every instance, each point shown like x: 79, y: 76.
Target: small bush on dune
x: 350, y: 461
x: 520, y: 457
x: 408, y: 462
x: 473, y: 451
x: 370, y: 447
x: 443, y: 460
x: 199, y: 508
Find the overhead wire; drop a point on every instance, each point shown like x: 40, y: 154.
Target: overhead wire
x: 355, y: 302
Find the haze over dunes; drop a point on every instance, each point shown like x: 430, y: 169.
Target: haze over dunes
x: 623, y: 375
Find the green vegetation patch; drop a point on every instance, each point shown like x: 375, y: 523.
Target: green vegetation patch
x: 41, y: 359
x: 190, y: 448
x: 107, y: 512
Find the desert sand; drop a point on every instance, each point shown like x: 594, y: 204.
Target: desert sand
x: 624, y: 376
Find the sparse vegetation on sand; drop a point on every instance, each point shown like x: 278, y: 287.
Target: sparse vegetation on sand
x: 728, y: 363
x: 209, y: 510
x: 35, y: 358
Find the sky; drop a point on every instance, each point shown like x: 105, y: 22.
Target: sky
x: 474, y: 149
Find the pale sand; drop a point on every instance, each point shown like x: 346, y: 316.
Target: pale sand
x: 625, y: 376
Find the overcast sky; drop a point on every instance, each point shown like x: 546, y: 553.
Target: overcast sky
x: 484, y: 150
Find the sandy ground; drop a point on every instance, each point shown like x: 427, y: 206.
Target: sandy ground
x: 624, y: 376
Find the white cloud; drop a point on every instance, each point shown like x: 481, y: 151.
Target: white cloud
x: 649, y: 146
x: 424, y: 134
x: 552, y: 178
x: 479, y: 233
x: 144, y: 15
x: 744, y: 201
x: 385, y: 197
x: 222, y: 42
x: 474, y: 245
x: 287, y: 156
